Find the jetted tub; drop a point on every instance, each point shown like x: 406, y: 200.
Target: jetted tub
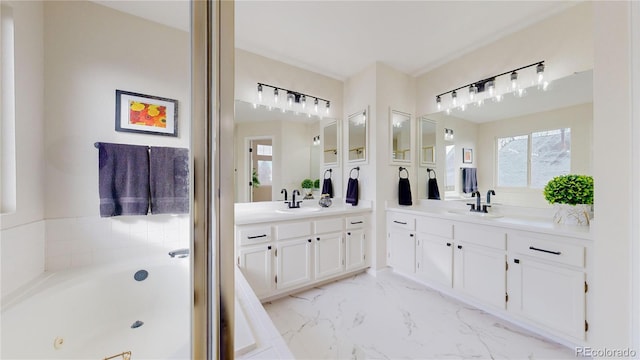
x: 94, y: 313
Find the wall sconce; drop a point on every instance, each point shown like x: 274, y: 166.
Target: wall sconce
x: 316, y: 140
x: 295, y: 101
x: 448, y: 134
x: 493, y: 87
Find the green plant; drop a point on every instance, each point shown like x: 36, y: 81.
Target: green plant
x: 569, y: 189
x: 254, y: 179
x: 307, y: 184
x: 316, y: 184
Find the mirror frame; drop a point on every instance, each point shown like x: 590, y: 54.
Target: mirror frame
x: 421, y: 123
x: 323, y: 126
x: 393, y: 161
x: 364, y: 160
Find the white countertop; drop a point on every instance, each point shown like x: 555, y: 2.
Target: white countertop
x: 271, y: 211
x: 517, y: 218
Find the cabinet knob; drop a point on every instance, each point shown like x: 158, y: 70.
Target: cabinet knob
x: 460, y: 247
x: 309, y: 240
x: 411, y: 235
x: 269, y: 247
x: 318, y: 238
x: 448, y: 244
x: 349, y: 233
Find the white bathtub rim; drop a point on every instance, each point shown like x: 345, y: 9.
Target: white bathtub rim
x: 53, y: 280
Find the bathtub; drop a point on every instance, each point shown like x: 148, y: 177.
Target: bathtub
x: 97, y: 312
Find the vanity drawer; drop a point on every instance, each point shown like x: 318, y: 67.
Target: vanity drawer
x: 254, y: 234
x: 433, y: 226
x: 551, y: 248
x: 488, y: 236
x: 355, y: 222
x: 327, y: 226
x: 401, y: 221
x: 293, y: 230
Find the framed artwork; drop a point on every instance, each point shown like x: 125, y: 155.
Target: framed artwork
x: 147, y: 114
x: 467, y: 155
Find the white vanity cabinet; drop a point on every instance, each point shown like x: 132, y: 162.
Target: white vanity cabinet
x: 277, y: 258
x: 534, y: 277
x: 401, y: 242
x: 480, y: 263
x: 434, y: 250
x: 547, y: 282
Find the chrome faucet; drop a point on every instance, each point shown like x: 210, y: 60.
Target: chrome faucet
x: 293, y: 204
x: 180, y: 253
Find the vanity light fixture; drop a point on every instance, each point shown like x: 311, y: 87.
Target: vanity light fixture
x: 316, y: 140
x: 493, y: 88
x: 295, y: 101
x: 448, y: 134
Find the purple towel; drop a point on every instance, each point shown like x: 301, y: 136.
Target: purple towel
x: 404, y: 192
x: 123, y: 179
x: 352, y: 192
x: 169, y: 180
x: 327, y: 187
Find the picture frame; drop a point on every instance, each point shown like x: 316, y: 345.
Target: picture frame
x: 467, y: 155
x: 147, y: 114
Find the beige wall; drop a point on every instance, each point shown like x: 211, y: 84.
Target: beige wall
x: 90, y: 51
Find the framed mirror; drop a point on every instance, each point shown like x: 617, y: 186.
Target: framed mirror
x: 400, y: 132
x: 330, y: 141
x: 427, y: 142
x: 358, y: 139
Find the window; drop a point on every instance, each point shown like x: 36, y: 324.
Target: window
x: 265, y: 150
x: 532, y: 160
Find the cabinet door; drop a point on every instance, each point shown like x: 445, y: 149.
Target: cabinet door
x: 434, y: 259
x: 402, y: 250
x: 481, y: 273
x: 355, y: 250
x: 256, y: 265
x: 550, y: 295
x: 294, y: 262
x: 328, y: 255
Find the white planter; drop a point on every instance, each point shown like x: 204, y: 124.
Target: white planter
x: 567, y: 214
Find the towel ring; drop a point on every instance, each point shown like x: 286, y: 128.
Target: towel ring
x: 431, y: 171
x: 357, y: 168
x: 325, y: 173
x: 400, y: 172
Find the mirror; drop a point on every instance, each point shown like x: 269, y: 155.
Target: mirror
x: 285, y: 149
x: 330, y: 144
x: 427, y: 142
x: 566, y: 103
x: 358, y: 139
x: 400, y: 131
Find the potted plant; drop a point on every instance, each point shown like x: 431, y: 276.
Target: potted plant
x: 307, y: 187
x: 572, y: 195
x: 316, y: 184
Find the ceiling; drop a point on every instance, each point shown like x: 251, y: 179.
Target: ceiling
x: 340, y: 38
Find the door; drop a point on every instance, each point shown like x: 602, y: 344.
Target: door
x: 355, y: 249
x: 434, y: 259
x: 328, y: 255
x: 551, y: 295
x: 294, y: 262
x: 481, y: 273
x: 261, y: 170
x: 256, y: 265
x: 402, y: 247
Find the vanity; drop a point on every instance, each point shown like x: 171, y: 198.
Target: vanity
x: 281, y: 250
x: 522, y: 268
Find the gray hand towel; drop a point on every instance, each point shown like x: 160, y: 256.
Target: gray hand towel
x: 123, y: 179
x: 469, y: 180
x: 169, y: 180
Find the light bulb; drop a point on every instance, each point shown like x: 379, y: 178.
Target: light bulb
x: 290, y: 97
x: 328, y: 106
x: 492, y: 87
x: 275, y: 96
x: 315, y: 105
x: 540, y: 72
x: 439, y: 102
x: 473, y: 90
x: 514, y: 81
x: 303, y: 101
x: 260, y: 92
x: 454, y: 98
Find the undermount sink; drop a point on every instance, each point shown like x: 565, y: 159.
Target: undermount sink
x: 298, y: 210
x: 476, y: 214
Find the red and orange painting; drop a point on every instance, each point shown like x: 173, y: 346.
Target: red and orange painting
x: 147, y: 114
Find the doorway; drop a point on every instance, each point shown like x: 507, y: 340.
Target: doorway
x: 261, y: 169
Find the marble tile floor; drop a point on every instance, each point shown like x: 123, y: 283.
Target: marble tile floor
x: 391, y: 317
